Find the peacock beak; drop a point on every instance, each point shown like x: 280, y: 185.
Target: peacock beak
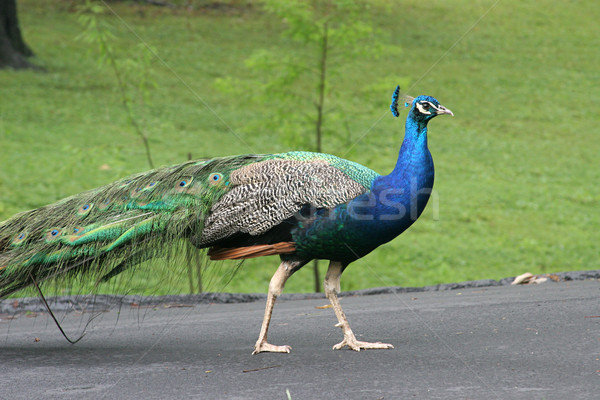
x: 443, y: 110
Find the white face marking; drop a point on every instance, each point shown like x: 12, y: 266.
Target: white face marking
x: 420, y: 106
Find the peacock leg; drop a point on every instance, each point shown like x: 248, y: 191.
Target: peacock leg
x: 284, y: 271
x: 332, y: 288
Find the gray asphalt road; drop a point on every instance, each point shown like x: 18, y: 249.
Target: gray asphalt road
x: 525, y: 342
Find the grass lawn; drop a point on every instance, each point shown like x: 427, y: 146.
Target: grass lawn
x: 516, y: 169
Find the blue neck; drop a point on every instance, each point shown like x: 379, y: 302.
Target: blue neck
x: 401, y: 196
x: 414, y: 165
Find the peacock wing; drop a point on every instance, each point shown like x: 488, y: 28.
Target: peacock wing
x: 266, y: 193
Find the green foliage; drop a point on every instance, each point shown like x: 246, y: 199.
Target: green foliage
x: 320, y: 37
x: 132, y: 72
x: 96, y: 31
x: 515, y: 169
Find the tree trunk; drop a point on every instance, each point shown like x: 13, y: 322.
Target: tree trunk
x: 13, y: 50
x: 320, y: 108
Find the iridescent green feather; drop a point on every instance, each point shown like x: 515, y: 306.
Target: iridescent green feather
x: 143, y: 211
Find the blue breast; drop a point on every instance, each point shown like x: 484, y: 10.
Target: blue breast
x: 352, y: 230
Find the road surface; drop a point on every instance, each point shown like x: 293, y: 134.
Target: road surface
x: 500, y: 342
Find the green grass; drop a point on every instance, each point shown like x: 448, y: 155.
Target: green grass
x: 516, y: 169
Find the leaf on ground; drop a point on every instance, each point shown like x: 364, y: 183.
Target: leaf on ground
x: 528, y: 278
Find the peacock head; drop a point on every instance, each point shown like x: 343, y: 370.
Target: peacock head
x: 424, y: 108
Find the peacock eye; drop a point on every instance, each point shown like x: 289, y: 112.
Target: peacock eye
x: 53, y: 233
x: 19, y: 238
x: 104, y: 205
x: 215, y: 179
x: 426, y: 106
x: 78, y: 230
x: 184, y: 182
x: 84, y: 209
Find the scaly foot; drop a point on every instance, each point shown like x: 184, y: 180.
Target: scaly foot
x: 261, y: 347
x: 356, y: 345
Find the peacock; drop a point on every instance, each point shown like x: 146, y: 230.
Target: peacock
x: 297, y: 205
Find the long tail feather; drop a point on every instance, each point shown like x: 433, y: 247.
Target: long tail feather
x: 106, y: 230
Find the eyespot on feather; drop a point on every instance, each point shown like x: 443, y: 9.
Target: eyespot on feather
x: 215, y: 178
x: 185, y: 181
x: 104, y: 204
x: 85, y: 209
x: 19, y: 238
x: 76, y: 233
x: 184, y: 184
x: 53, y: 234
